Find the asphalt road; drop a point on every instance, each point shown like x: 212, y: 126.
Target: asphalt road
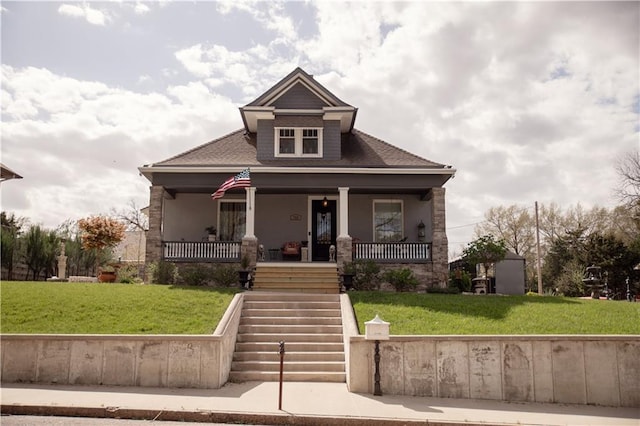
x: 11, y: 420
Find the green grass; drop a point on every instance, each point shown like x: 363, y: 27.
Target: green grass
x: 415, y: 314
x: 91, y: 308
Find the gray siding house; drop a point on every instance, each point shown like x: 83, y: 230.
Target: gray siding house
x: 315, y: 180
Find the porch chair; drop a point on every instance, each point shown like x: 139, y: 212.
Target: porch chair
x: 291, y: 249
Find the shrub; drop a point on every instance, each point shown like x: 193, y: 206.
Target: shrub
x: 196, y: 275
x: 401, y: 279
x: 366, y: 274
x: 460, y: 280
x: 225, y: 275
x: 128, y: 274
x: 163, y: 273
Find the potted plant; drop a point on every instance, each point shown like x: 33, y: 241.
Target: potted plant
x: 107, y: 274
x: 244, y: 274
x: 212, y: 231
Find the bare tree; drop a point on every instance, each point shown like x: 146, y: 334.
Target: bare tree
x: 628, y: 168
x: 132, y: 216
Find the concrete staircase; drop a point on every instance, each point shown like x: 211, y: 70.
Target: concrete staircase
x: 309, y: 324
x: 297, y: 277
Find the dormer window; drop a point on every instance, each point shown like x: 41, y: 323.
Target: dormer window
x: 298, y: 142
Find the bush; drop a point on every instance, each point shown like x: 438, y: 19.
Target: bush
x: 225, y: 275
x: 401, y: 279
x: 128, y: 274
x: 196, y: 275
x: 366, y: 274
x: 163, y: 273
x: 460, y: 280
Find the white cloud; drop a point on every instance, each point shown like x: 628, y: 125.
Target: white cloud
x: 91, y: 15
x: 141, y: 8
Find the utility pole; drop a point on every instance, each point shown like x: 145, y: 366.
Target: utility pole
x: 538, y: 251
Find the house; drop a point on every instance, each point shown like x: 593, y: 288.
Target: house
x: 341, y: 193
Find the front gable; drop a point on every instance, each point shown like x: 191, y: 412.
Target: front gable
x: 299, y: 96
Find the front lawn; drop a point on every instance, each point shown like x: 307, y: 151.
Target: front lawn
x: 440, y: 314
x: 92, y: 308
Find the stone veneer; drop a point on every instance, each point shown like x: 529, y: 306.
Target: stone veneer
x: 154, y: 234
x: 440, y: 243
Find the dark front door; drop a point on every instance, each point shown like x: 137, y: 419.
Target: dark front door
x: 323, y: 228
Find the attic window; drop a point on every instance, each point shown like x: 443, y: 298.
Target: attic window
x: 298, y: 142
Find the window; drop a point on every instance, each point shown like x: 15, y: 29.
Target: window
x: 287, y: 141
x: 309, y: 141
x: 233, y: 220
x: 387, y: 221
x: 298, y: 142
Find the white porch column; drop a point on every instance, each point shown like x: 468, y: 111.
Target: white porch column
x: 343, y: 223
x: 251, y: 212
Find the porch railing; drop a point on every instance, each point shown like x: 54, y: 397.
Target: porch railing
x: 194, y: 251
x: 393, y: 252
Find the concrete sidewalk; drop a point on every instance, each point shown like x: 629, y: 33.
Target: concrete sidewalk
x: 303, y: 403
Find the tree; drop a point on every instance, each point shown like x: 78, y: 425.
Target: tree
x: 132, y: 216
x: 11, y: 227
x: 99, y: 233
x: 486, y: 251
x: 35, y: 255
x: 628, y: 169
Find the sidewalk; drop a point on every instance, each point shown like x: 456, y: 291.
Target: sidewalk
x: 302, y: 403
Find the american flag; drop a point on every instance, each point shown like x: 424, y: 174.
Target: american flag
x: 241, y: 180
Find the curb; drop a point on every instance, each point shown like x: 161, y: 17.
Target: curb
x: 220, y: 417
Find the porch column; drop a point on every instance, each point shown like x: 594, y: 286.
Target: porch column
x: 343, y: 223
x: 249, y: 241
x: 251, y: 212
x: 440, y: 243
x: 344, y: 245
x: 154, y: 234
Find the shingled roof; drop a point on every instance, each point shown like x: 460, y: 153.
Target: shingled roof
x: 359, y: 149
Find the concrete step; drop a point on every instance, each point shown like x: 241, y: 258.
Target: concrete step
x: 290, y: 313
x: 317, y: 366
x: 253, y: 296
x: 293, y: 305
x: 297, y: 376
x: 242, y: 347
x: 297, y: 289
x: 290, y: 356
x: 290, y: 329
x: 282, y: 337
x: 291, y: 320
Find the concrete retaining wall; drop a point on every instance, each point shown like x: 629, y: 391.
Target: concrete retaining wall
x: 600, y: 370
x: 185, y: 361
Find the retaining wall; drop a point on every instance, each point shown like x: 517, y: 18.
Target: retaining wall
x: 185, y: 361
x: 600, y: 370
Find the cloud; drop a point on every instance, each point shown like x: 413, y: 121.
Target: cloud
x: 91, y: 15
x: 78, y: 143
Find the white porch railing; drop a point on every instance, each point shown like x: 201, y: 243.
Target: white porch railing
x: 393, y: 252
x: 220, y: 251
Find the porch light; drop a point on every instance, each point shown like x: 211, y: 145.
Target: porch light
x: 325, y: 203
x: 421, y: 231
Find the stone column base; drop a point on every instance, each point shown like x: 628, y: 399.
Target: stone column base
x: 344, y: 250
x: 249, y: 249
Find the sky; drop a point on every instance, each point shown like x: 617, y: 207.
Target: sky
x: 528, y: 101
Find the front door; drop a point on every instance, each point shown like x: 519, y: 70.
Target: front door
x: 323, y: 228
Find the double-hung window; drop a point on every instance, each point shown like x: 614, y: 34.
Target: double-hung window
x: 232, y: 220
x: 388, y: 223
x: 298, y: 142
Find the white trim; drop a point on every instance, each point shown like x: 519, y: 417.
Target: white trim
x: 298, y: 146
x: 317, y: 170
x: 322, y: 94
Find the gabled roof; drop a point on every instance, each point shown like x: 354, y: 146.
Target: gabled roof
x: 297, y: 76
x: 298, y: 93
x: 6, y: 173
x: 359, y: 150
